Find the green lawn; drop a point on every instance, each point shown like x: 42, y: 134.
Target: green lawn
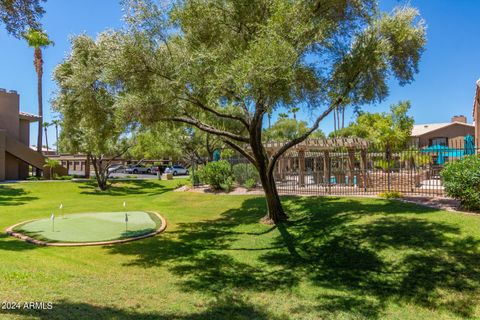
x: 338, y: 258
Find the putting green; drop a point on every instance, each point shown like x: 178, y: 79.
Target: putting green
x: 91, y: 227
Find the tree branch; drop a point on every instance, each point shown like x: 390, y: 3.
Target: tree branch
x: 207, y: 128
x: 241, y: 151
x: 215, y: 112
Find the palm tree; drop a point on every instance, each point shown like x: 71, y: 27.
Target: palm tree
x: 56, y: 123
x: 294, y: 110
x: 51, y: 164
x: 45, y: 127
x: 38, y: 39
x: 283, y: 115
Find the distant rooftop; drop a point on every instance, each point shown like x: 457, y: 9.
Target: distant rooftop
x: 421, y: 129
x: 28, y: 116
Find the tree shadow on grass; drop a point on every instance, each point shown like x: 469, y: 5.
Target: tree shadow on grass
x: 14, y: 196
x: 372, y: 252
x: 231, y: 307
x: 124, y: 188
x: 13, y: 244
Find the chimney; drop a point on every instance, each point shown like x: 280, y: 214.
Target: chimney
x: 460, y: 118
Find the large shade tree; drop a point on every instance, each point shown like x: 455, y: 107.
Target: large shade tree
x: 91, y: 124
x: 223, y: 65
x: 20, y: 15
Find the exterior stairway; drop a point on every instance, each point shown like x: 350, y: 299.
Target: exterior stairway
x: 18, y: 150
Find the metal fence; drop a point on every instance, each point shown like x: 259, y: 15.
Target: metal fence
x: 342, y: 171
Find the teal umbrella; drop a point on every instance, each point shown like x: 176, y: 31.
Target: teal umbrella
x: 216, y: 155
x: 443, y: 151
x: 468, y: 146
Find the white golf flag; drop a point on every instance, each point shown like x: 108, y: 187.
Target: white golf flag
x: 52, y: 217
x: 124, y: 204
x: 61, y: 205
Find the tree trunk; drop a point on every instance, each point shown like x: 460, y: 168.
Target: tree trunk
x: 334, y: 122
x: 100, y: 175
x: 38, y: 66
x: 56, y: 137
x: 46, y: 137
x: 275, y: 212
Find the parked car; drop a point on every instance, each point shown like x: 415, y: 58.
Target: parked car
x: 176, y: 170
x: 117, y: 168
x: 139, y: 168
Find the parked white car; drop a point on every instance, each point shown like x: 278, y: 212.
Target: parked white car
x: 176, y: 170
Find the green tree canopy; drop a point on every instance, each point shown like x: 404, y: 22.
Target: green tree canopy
x: 221, y: 66
x: 19, y: 15
x: 389, y: 130
x: 176, y: 141
x: 90, y: 120
x: 287, y: 129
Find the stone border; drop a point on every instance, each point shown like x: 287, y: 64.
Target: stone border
x: 28, y: 239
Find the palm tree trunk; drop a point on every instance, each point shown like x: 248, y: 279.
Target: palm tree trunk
x: 38, y: 67
x: 46, y: 137
x: 335, y: 122
x: 56, y: 136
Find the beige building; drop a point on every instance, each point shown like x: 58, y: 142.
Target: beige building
x: 15, y: 153
x: 451, y: 134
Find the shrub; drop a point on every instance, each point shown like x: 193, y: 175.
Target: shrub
x: 390, y: 195
x: 216, y: 173
x: 194, y: 177
x: 227, y: 185
x: 384, y: 164
x: 245, y: 171
x: 461, y: 180
x: 64, y: 177
x: 250, y: 184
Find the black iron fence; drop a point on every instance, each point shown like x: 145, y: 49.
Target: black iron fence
x: 349, y: 171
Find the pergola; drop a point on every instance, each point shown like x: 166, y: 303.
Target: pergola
x: 325, y: 146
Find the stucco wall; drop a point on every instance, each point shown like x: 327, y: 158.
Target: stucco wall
x: 11, y: 167
x: 9, y: 110
x: 24, y: 133
x: 455, y: 134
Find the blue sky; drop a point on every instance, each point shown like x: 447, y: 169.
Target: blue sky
x: 444, y: 87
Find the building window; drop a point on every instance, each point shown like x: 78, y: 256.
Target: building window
x: 439, y: 142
